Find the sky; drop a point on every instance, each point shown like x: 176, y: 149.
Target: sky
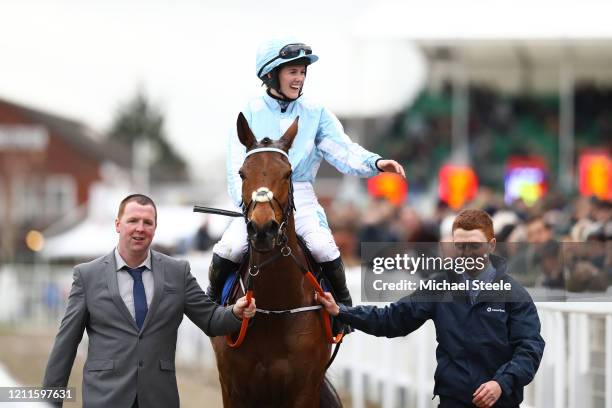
x: 195, y: 59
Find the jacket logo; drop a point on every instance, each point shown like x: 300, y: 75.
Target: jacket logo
x: 489, y: 309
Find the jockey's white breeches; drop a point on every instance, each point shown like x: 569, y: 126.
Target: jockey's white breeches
x: 310, y: 224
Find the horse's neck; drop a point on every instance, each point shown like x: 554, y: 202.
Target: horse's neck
x: 279, y: 285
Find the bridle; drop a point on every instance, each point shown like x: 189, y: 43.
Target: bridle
x: 264, y: 195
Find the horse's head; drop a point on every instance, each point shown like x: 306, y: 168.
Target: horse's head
x: 267, y: 193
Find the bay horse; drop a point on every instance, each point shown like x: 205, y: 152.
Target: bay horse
x: 282, y: 360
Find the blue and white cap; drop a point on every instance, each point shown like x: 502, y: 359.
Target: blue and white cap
x: 275, y: 52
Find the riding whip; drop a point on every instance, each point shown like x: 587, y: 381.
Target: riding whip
x: 218, y: 211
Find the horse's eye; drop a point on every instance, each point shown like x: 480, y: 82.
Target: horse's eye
x: 241, y: 174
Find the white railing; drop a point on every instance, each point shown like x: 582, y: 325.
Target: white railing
x: 576, y: 370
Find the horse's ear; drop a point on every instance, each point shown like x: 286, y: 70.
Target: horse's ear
x: 246, y: 137
x: 287, y: 140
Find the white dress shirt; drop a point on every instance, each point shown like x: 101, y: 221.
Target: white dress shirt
x: 126, y: 282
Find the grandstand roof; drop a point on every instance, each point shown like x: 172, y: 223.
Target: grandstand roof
x: 506, y: 44
x: 444, y: 20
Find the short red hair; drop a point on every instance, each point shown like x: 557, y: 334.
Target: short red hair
x: 475, y: 220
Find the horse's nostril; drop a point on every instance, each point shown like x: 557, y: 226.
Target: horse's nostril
x: 251, y: 230
x: 265, y: 232
x: 272, y: 227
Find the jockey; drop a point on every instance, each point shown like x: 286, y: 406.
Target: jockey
x: 282, y: 64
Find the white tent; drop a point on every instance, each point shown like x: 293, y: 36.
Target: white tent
x: 95, y: 235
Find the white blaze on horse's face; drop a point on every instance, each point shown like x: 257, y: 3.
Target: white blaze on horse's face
x: 262, y: 195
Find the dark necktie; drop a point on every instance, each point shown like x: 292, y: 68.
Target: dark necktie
x: 140, y: 297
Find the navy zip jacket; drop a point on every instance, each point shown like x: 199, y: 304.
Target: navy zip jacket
x: 496, y: 338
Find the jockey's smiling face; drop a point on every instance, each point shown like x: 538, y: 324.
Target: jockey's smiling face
x: 291, y: 79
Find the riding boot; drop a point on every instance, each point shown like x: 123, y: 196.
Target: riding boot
x: 334, y: 272
x: 220, y: 269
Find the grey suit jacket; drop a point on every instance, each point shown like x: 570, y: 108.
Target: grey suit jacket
x: 122, y: 361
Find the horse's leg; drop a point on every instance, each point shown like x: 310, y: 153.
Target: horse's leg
x: 231, y: 400
x: 226, y: 400
x: 219, y: 349
x: 232, y: 397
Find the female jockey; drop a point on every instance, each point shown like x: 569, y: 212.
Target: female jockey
x: 281, y: 65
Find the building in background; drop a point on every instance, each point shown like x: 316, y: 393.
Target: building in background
x: 47, y: 165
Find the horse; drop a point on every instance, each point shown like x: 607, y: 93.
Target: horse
x: 281, y: 362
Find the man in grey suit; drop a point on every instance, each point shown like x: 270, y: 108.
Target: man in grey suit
x: 131, y: 302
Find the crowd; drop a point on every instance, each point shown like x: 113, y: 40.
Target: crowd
x: 558, y: 243
x: 499, y: 126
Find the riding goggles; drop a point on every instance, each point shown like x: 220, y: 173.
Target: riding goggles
x: 287, y: 52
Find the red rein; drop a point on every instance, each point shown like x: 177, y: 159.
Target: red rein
x: 326, y: 319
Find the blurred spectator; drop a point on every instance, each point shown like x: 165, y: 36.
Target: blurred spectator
x: 586, y: 277
x: 442, y: 212
x: 203, y: 239
x: 411, y: 228
x: 581, y: 208
x: 522, y: 257
x: 378, y: 221
x: 538, y: 231
x: 344, y: 219
x: 549, y: 260
x: 504, y: 222
x: 608, y: 249
x: 409, y: 224
x: 602, y: 211
x: 52, y: 299
x: 596, y: 247
x: 505, y: 232
x: 446, y: 228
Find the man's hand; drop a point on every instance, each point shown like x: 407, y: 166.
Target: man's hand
x: 328, y: 302
x: 487, y: 394
x: 390, y: 166
x: 241, y: 310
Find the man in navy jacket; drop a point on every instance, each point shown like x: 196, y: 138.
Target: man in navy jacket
x: 489, y: 343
